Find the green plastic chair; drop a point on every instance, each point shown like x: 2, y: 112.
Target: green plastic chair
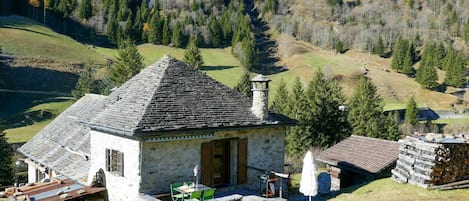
x: 175, y: 195
x: 195, y: 196
x: 209, y: 194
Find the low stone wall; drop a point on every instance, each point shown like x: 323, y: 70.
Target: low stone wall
x: 428, y: 164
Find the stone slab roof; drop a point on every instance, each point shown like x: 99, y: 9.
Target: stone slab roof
x: 64, y: 144
x: 362, y: 153
x: 170, y: 96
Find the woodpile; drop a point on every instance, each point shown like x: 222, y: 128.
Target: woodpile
x: 429, y: 164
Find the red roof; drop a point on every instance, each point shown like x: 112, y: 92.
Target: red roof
x: 362, y: 153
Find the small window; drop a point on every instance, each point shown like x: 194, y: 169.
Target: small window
x: 115, y: 162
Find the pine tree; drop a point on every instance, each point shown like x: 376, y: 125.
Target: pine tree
x: 6, y: 154
x: 166, y: 39
x: 398, y: 54
x: 426, y: 76
x: 327, y: 124
x: 411, y: 112
x: 155, y: 34
x: 392, y: 127
x: 128, y: 63
x: 366, y: 107
x: 84, y: 84
x: 407, y: 63
x: 244, y: 85
x: 192, y: 55
x: 86, y: 9
x: 111, y: 28
x: 297, y: 138
x: 379, y: 47
x: 216, y: 32
x: 280, y: 102
x: 178, y: 36
x: 456, y: 72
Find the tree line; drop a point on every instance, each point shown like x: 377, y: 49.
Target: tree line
x: 434, y: 56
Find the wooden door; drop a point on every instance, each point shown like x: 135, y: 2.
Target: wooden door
x: 242, y: 161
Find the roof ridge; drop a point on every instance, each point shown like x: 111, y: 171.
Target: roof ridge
x: 372, y: 138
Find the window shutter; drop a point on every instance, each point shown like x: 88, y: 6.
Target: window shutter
x: 108, y: 160
x: 207, y: 163
x: 121, y: 164
x: 242, y: 161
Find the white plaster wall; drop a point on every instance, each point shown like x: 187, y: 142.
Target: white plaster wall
x: 169, y: 162
x: 118, y: 188
x: 31, y: 174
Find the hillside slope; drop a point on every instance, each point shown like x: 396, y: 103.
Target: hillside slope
x: 31, y: 43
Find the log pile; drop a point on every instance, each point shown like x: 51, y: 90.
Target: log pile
x: 428, y: 164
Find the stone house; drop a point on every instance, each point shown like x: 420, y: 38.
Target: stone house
x: 152, y: 131
x: 359, y: 159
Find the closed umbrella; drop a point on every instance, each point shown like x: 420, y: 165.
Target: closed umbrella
x: 308, y: 184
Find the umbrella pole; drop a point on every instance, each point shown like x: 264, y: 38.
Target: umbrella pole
x: 310, y: 198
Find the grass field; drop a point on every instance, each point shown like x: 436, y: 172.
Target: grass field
x: 22, y: 37
x: 24, y: 133
x: 386, y: 189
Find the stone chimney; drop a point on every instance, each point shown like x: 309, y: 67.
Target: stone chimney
x: 260, y: 96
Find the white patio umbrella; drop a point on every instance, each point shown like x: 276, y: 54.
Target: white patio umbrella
x: 308, y: 184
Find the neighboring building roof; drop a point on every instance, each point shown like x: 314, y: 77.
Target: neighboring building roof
x: 64, y: 144
x: 367, y: 154
x: 172, y: 96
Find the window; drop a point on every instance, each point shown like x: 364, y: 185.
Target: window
x: 115, y: 162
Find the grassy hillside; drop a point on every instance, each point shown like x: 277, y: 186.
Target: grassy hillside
x: 303, y: 59
x: 27, y: 123
x: 386, y: 189
x: 25, y: 38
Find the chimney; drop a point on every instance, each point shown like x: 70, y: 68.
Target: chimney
x: 260, y: 96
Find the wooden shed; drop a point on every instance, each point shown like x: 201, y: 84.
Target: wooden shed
x: 358, y: 159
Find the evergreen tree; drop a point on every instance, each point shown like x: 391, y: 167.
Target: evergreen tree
x: 366, y: 107
x: 111, y: 28
x: 426, y: 76
x: 280, y: 102
x: 192, y: 55
x: 440, y: 53
x: 84, y: 84
x: 216, y: 32
x: 297, y: 138
x: 379, y: 47
x: 178, y: 35
x: 327, y: 124
x: 411, y: 112
x: 155, y: 34
x: 392, y: 126
x: 244, y: 85
x: 456, y: 72
x: 127, y: 64
x: 166, y: 39
x: 6, y: 169
x: 86, y: 9
x: 407, y: 63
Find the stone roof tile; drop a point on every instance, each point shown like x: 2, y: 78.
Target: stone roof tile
x: 369, y: 154
x: 170, y: 95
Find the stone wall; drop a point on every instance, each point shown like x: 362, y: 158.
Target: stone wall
x: 169, y: 162
x: 118, y: 188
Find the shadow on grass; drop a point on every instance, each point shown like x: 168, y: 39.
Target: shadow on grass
x: 14, y: 109
x: 29, y: 30
x: 213, y: 68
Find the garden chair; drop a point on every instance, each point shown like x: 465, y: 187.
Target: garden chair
x: 175, y: 195
x: 195, y: 196
x: 209, y: 194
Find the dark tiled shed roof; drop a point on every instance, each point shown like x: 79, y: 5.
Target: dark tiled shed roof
x: 169, y: 96
x: 63, y: 144
x: 362, y: 153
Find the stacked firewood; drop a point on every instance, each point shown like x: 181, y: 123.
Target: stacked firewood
x: 430, y: 164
